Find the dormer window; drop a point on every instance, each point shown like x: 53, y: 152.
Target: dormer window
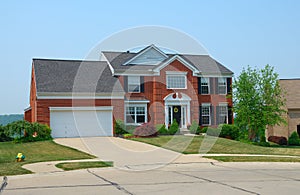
x: 134, y: 84
x: 176, y: 80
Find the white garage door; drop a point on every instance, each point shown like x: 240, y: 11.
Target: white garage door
x: 81, y: 121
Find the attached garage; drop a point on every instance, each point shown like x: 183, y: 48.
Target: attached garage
x: 81, y: 121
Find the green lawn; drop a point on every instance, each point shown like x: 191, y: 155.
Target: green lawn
x: 192, y: 145
x: 83, y: 165
x: 34, y: 152
x: 253, y: 159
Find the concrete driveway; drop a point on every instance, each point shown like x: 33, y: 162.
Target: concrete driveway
x: 127, y: 154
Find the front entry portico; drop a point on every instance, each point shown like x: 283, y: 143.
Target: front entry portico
x: 177, y: 106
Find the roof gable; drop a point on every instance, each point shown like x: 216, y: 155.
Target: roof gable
x: 181, y: 60
x: 151, y: 55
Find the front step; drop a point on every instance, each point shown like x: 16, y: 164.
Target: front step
x: 184, y: 131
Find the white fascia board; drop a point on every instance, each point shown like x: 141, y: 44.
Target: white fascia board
x: 79, y: 96
x: 103, y: 57
x: 138, y: 55
x: 177, y: 57
x: 26, y: 109
x: 176, y: 73
x: 136, y: 101
x: 137, y: 73
x: 215, y: 75
x: 84, y: 108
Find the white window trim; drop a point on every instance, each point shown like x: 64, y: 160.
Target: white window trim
x: 223, y: 105
x: 176, y: 74
x: 222, y: 86
x: 208, y: 85
x: 135, y: 105
x: 209, y: 114
x: 137, y: 83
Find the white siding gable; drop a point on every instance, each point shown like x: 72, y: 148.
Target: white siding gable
x: 150, y: 57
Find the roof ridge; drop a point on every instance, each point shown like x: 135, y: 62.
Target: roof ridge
x: 70, y: 60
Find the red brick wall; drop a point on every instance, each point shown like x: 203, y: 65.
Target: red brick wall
x: 43, y: 112
x: 156, y: 91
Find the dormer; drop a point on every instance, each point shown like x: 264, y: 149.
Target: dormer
x: 151, y: 55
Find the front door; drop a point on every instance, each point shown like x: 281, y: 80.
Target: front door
x: 177, y: 114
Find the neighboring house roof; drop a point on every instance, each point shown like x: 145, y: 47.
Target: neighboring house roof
x: 205, y: 64
x: 74, y: 76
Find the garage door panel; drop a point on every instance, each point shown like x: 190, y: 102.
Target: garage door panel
x: 81, y: 123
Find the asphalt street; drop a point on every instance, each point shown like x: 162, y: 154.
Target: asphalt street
x: 174, y: 178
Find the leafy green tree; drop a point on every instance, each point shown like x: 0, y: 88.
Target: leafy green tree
x: 258, y: 100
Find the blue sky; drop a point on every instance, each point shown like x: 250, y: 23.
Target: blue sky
x: 236, y: 33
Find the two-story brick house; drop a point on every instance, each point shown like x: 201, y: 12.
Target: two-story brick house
x: 84, y: 98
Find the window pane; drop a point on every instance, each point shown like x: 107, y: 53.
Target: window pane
x: 205, y: 115
x: 177, y: 81
x: 204, y: 81
x: 140, y: 110
x: 140, y: 119
x: 205, y: 120
x: 222, y: 85
x: 134, y: 84
x: 222, y: 81
x: 133, y: 88
x: 204, y: 89
x: 133, y: 80
x: 130, y: 119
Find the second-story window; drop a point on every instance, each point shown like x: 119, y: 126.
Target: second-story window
x: 222, y: 85
x: 204, y: 85
x: 176, y: 80
x: 134, y: 84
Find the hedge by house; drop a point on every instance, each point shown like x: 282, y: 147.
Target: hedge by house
x: 294, y: 139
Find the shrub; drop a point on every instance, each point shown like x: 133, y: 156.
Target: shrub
x: 23, y: 131
x: 279, y: 140
x: 265, y: 144
x: 127, y: 135
x: 145, y: 130
x: 173, y: 128
x: 229, y: 131
x: 120, y: 127
x: 213, y: 131
x: 3, y: 135
x: 162, y: 130
x: 294, y: 139
x: 39, y: 132
x: 194, y: 127
x: 203, y: 129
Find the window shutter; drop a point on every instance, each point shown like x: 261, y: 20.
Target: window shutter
x: 217, y: 115
x: 200, y: 115
x: 142, y: 84
x: 228, y: 85
x: 216, y: 86
x: 230, y: 116
x: 212, y: 115
x: 126, y: 83
x: 211, y: 85
x: 199, y: 85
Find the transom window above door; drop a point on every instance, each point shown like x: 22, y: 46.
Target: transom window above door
x: 176, y: 80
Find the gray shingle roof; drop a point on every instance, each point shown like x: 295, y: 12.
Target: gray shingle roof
x: 204, y: 63
x: 67, y: 76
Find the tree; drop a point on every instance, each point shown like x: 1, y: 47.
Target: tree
x: 258, y: 100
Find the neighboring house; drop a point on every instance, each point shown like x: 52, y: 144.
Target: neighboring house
x: 84, y: 98
x: 291, y: 88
